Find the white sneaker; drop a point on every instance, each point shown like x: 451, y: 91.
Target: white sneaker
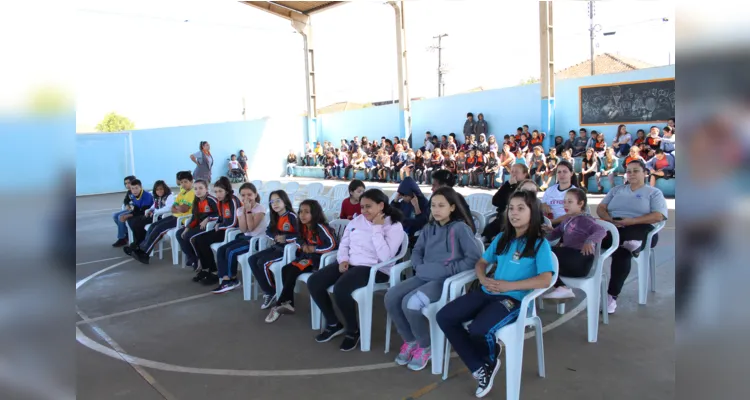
x: 561, y: 292
x: 611, y: 304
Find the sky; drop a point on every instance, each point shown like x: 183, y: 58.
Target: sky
x: 183, y: 62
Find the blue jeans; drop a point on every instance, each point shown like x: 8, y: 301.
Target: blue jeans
x: 122, y: 229
x: 290, y: 168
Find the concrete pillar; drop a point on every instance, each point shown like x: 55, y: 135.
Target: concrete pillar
x: 404, y: 100
x: 303, y: 25
x: 547, y: 79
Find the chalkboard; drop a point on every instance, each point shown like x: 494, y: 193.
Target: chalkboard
x: 627, y: 102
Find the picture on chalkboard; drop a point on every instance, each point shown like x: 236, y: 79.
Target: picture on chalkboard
x: 627, y: 102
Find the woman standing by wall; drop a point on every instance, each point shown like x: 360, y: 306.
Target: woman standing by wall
x: 203, y: 161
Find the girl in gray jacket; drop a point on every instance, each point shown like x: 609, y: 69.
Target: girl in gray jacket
x: 446, y: 246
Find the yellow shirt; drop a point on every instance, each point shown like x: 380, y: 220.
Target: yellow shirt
x: 185, y: 198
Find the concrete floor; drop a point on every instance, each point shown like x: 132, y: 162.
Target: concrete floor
x: 148, y: 332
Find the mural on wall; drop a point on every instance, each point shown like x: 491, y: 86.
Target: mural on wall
x: 627, y: 102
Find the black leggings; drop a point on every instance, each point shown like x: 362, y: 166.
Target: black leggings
x: 289, y: 275
x: 202, y: 244
x: 343, y: 285
x: 138, y: 226
x: 622, y: 258
x: 573, y: 264
x: 260, y: 263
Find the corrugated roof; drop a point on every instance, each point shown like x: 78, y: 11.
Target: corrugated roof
x: 606, y: 63
x: 284, y: 9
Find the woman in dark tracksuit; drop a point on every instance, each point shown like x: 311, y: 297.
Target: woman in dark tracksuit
x: 205, y: 210
x: 315, y: 239
x: 227, y: 207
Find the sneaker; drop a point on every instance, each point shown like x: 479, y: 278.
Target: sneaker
x: 140, y: 256
x: 405, y: 354
x: 276, y: 312
x: 225, y: 286
x: 200, y: 276
x: 128, y: 250
x: 268, y: 300
x: 611, y: 304
x: 210, y: 279
x: 191, y: 263
x: 120, y: 242
x: 559, y: 293
x: 485, y: 376
x: 420, y: 358
x: 631, y: 245
x: 350, y: 342
x: 330, y: 332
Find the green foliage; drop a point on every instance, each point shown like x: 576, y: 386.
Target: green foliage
x: 528, y: 81
x: 114, y: 122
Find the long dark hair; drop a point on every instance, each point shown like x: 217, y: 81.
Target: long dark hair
x: 224, y: 183
x: 200, y: 146
x: 274, y: 222
x: 167, y: 190
x: 530, y: 240
x: 317, y: 217
x: 459, y: 213
x: 569, y: 166
x: 377, y: 196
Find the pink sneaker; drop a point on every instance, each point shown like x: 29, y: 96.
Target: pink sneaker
x: 611, y: 304
x: 406, y: 352
x: 420, y: 358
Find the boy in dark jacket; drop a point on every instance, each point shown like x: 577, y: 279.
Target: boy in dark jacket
x: 415, y: 207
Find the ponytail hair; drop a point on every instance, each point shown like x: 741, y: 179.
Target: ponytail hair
x: 377, y: 196
x: 224, y: 183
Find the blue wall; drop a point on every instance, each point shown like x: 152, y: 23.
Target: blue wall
x: 373, y: 122
x: 567, y: 102
x: 102, y: 160
x: 504, y: 110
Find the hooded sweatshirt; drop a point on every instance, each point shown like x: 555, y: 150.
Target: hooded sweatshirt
x: 482, y: 144
x: 367, y: 244
x: 444, y: 251
x: 480, y: 127
x: 469, y: 127
x: 412, y: 221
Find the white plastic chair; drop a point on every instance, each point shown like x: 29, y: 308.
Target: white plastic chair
x: 311, y: 190
x: 393, y: 197
x: 480, y: 221
x: 339, y: 192
x: 373, y: 187
x: 290, y: 253
x: 161, y: 242
x: 325, y: 202
x: 339, y: 225
x: 250, y: 288
x: 593, y: 284
x: 646, y: 262
x: 291, y: 189
x: 258, y: 184
x: 512, y: 336
x: 270, y: 186
x: 229, y: 235
x: 437, y: 337
x: 480, y: 202
x: 172, y: 235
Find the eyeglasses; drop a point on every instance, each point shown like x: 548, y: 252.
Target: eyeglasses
x: 275, y: 201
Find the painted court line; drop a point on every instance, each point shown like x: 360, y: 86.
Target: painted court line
x: 139, y: 309
x: 116, y: 347
x: 113, y: 258
x: 97, y: 211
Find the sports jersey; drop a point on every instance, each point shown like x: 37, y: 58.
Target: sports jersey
x: 228, y: 213
x: 206, y: 208
x: 555, y: 199
x: 184, y: 198
x: 285, y: 226
x: 322, y: 237
x: 512, y: 267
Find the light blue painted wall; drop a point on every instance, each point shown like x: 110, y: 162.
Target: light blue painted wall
x: 567, y: 102
x: 101, y: 160
x: 504, y: 110
x: 373, y: 122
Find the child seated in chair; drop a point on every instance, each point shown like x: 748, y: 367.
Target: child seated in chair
x: 524, y: 262
x: 315, y: 239
x: 446, y: 246
x: 350, y: 206
x: 579, y: 234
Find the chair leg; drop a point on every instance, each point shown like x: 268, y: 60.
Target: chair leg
x: 388, y: 322
x: 560, y: 308
x: 540, y: 303
x: 592, y: 311
x: 539, y: 336
x: 365, y: 323
x: 643, y: 277
x: 603, y: 298
x: 513, y: 366
x: 315, y: 316
x: 437, y: 341
x: 652, y: 268
x: 161, y: 250
x: 446, y: 359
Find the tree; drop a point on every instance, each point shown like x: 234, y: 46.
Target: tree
x: 528, y: 81
x: 114, y: 122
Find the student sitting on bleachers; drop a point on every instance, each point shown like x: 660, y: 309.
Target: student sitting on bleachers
x: 589, y: 167
x: 579, y: 234
x: 667, y: 141
x: 445, y: 247
x: 350, y: 206
x: 478, y: 169
x: 419, y: 167
x: 661, y: 166
x: 635, y: 154
x: 559, y: 146
x: 182, y: 206
x: 282, y: 229
x: 579, y: 144
x: 315, y: 239
x: 163, y: 199
x: 491, y: 166
x: 538, y: 165
x: 608, y: 166
x: 291, y: 162
x: 435, y: 163
x: 227, y: 205
x: 251, y: 221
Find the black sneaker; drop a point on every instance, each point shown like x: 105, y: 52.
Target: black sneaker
x: 210, y: 279
x: 140, y: 256
x: 191, y: 263
x: 350, y: 342
x: 200, y: 276
x: 268, y: 301
x: 225, y: 285
x: 330, y: 332
x: 485, y: 377
x: 128, y: 250
x: 120, y: 243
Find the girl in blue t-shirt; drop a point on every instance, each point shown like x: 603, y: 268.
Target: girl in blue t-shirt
x: 521, y: 267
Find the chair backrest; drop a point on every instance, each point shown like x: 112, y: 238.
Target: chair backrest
x: 313, y: 190
x: 339, y: 192
x: 657, y: 227
x: 547, y: 221
x: 480, y: 202
x: 479, y: 221
x: 601, y: 254
x: 270, y: 186
x: 373, y: 187
x: 393, y: 197
x: 258, y: 184
x: 480, y: 244
x: 339, y: 225
x: 291, y: 188
x: 325, y: 202
x: 263, y: 197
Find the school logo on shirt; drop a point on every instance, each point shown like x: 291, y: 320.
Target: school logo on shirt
x: 206, y: 208
x: 227, y: 213
x: 286, y: 227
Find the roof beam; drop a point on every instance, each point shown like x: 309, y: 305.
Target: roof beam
x: 272, y: 8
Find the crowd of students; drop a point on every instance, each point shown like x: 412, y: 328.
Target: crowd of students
x: 481, y: 160
x: 442, y: 243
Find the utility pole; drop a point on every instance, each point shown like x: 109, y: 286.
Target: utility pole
x: 439, y: 48
x: 591, y: 33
